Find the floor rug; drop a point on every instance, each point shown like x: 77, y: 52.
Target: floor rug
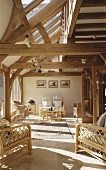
x: 51, y: 130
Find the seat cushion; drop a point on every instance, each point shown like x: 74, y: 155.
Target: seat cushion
x: 101, y: 120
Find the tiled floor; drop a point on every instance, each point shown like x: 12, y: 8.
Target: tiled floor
x: 54, y: 154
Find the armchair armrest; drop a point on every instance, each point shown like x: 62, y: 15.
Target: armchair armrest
x: 92, y: 139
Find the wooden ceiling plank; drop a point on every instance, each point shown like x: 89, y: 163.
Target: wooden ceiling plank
x: 93, y: 3
x: 92, y: 40
x: 101, y: 15
x: 90, y: 25
x: 74, y: 17
x: 49, y: 49
x: 90, y: 33
x: 12, y: 24
x: 33, y: 5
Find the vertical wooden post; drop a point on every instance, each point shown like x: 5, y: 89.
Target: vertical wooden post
x: 20, y: 80
x: 7, y: 96
x: 22, y: 89
x: 82, y: 102
x: 94, y: 94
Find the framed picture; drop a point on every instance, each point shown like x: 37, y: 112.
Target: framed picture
x: 41, y: 83
x: 65, y: 83
x: 53, y: 83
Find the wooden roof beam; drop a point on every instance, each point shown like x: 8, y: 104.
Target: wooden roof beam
x: 50, y: 49
x: 54, y: 74
x: 54, y: 65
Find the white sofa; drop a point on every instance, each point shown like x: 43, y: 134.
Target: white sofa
x: 52, y: 103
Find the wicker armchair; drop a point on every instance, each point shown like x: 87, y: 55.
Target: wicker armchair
x: 92, y: 139
x: 13, y: 139
x: 21, y: 109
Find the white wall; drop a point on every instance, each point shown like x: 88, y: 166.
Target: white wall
x: 6, y: 7
x: 70, y: 95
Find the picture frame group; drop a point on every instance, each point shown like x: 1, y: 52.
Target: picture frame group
x: 53, y: 84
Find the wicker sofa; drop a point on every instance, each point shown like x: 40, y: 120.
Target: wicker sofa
x: 13, y: 138
x: 92, y: 139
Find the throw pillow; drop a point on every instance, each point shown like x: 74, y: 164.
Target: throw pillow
x: 101, y: 120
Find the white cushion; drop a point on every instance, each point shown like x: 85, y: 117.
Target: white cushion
x: 47, y: 103
x: 102, y: 119
x: 44, y: 103
x: 57, y: 104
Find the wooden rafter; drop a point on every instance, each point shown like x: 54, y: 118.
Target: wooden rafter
x: 49, y: 32
x: 55, y: 37
x: 22, y: 15
x: 43, y: 33
x: 52, y: 9
x: 74, y: 17
x: 21, y: 11
x: 48, y: 26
